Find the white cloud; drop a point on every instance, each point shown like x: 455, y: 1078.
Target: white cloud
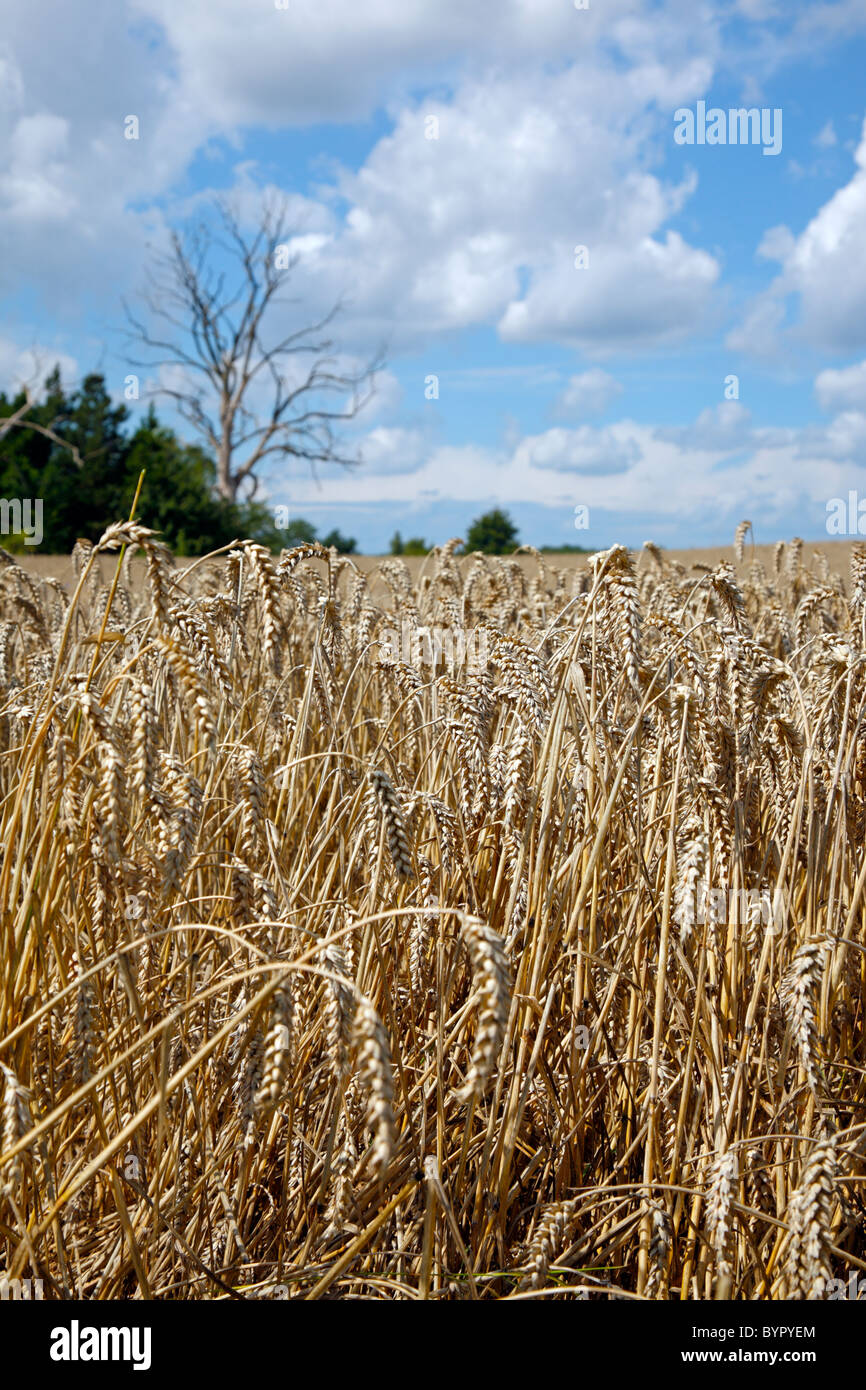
x: 843, y: 439
x: 387, y: 451
x: 629, y: 471
x: 759, y: 331
x: 823, y: 273
x: 583, y: 450
x: 67, y: 174
x: 479, y: 255
x: 777, y: 244
x: 589, y: 393
x: 30, y: 366
x: 386, y: 399
x: 292, y: 65
x: 31, y: 187
x: 426, y: 236
x: 531, y: 159
x: 722, y: 428
x: 634, y: 296
x: 842, y: 388
x: 11, y: 81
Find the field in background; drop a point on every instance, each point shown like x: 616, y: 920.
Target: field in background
x: 529, y: 966
x: 838, y: 555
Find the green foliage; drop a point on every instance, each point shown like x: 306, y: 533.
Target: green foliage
x: 301, y: 532
x: 82, y: 498
x: 346, y: 545
x: 415, y: 545
x: 493, y: 533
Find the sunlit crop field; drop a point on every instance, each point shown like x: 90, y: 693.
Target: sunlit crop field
x: 489, y: 929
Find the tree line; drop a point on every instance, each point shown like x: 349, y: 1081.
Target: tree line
x: 80, y: 452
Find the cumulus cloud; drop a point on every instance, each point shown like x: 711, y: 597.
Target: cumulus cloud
x: 631, y: 473
x: 31, y: 186
x: 759, y: 331
x: 823, y: 275
x: 427, y: 235
x: 582, y: 450
x: 722, y: 428
x: 30, y: 366
x: 842, y: 388
x: 589, y: 393
x: 73, y: 190
x: 386, y: 399
x: 392, y: 450
x: 291, y: 67
x: 842, y: 439
x: 480, y: 255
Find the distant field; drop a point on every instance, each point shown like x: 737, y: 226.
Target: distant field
x: 838, y: 555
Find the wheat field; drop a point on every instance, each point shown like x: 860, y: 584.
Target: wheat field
x: 491, y: 930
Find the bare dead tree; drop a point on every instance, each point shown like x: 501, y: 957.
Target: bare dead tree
x: 217, y: 340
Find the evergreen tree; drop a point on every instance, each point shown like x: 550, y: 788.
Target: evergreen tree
x: 88, y: 479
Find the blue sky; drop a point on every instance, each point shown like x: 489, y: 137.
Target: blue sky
x: 558, y: 386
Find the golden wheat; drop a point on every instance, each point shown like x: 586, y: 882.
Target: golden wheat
x: 530, y: 968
